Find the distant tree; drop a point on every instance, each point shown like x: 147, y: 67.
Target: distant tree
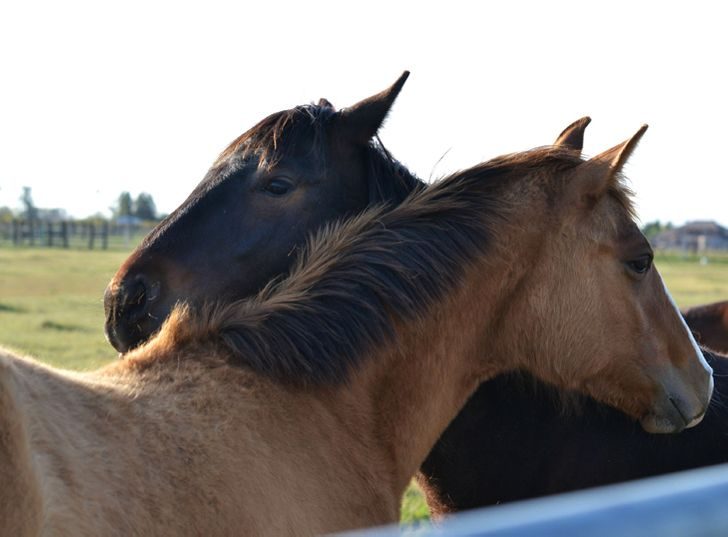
x: 144, y: 207
x: 29, y: 210
x: 125, y: 205
x: 6, y: 215
x: 98, y: 216
x: 651, y: 229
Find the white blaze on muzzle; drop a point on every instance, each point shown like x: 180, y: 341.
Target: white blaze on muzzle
x: 694, y: 343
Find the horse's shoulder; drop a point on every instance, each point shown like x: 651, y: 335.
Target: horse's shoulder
x: 9, y: 363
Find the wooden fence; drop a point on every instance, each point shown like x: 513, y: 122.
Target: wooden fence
x: 91, y: 234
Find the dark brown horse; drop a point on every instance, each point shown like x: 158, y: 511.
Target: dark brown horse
x: 241, y: 226
x: 547, y: 441
x: 709, y: 323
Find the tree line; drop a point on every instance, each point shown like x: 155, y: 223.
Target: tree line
x: 142, y: 206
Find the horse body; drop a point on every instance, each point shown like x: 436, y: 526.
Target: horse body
x: 181, y: 442
x: 176, y: 447
x: 307, y: 408
x: 20, y: 493
x: 95, y: 455
x: 709, y: 322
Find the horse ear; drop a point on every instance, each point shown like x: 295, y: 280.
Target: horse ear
x: 360, y: 122
x: 572, y: 137
x: 598, y: 173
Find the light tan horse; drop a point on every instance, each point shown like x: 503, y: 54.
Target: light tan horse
x: 308, y: 408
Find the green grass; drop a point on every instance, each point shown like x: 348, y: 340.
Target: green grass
x: 414, y: 508
x: 51, y: 308
x: 51, y: 304
x: 692, y: 282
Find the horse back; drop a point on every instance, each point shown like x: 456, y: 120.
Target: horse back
x: 20, y: 499
x: 709, y: 323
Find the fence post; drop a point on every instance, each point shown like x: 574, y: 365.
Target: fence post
x: 64, y: 233
x: 91, y: 235
x: 105, y: 235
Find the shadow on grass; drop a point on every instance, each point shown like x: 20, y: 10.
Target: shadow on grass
x: 52, y: 325
x: 7, y: 308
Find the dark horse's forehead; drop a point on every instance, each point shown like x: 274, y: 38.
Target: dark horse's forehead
x: 301, y: 132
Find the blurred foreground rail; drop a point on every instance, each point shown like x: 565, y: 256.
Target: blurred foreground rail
x: 684, y: 504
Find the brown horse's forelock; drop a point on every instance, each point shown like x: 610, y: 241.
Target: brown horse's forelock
x: 623, y: 195
x: 356, y: 278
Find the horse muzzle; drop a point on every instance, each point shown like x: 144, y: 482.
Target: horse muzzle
x: 677, y: 409
x: 128, y: 310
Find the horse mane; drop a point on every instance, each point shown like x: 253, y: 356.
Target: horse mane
x: 389, y: 180
x: 356, y: 278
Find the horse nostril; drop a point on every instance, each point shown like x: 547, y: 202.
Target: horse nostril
x: 136, y: 297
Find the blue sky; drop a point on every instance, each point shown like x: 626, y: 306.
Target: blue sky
x: 97, y: 97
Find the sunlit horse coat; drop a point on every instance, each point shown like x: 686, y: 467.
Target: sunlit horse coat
x: 306, y: 409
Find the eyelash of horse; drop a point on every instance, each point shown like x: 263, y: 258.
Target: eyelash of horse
x: 641, y: 264
x: 278, y: 186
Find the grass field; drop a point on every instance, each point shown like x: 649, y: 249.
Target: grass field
x: 692, y: 282
x: 51, y: 304
x: 51, y: 307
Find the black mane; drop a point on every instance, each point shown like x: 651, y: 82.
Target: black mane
x: 389, y: 180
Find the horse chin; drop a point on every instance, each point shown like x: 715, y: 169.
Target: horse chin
x: 118, y: 339
x: 670, y: 415
x: 655, y: 424
x: 124, y: 336
x: 678, y: 404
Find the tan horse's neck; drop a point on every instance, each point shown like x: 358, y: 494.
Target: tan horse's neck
x: 407, y: 393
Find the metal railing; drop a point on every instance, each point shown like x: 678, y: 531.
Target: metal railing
x: 685, y: 504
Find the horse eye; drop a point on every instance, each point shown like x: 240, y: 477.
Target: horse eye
x: 278, y: 186
x: 641, y: 264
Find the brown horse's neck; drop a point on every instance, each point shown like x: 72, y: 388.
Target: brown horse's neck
x: 414, y: 388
